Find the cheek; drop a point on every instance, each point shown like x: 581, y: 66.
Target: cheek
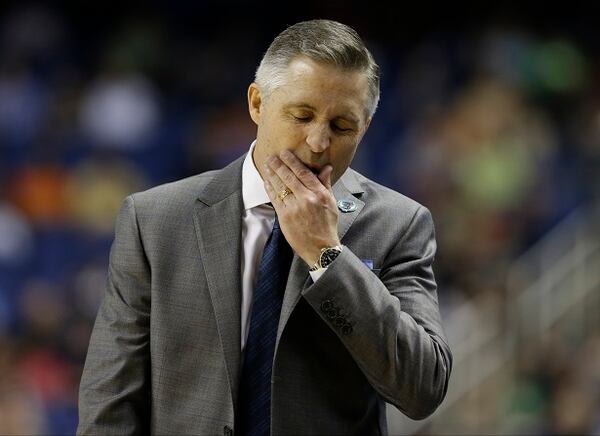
x: 287, y: 137
x: 279, y: 138
x: 343, y: 154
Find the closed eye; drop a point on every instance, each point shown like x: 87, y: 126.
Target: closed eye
x: 333, y: 125
x: 341, y: 129
x: 301, y: 118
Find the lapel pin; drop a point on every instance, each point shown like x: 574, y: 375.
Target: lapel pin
x: 346, y: 206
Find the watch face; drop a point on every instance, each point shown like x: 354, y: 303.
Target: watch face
x: 328, y: 256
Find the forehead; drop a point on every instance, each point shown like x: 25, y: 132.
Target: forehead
x: 324, y: 87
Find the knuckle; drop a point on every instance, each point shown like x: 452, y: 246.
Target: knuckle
x: 304, y: 173
x: 313, y: 199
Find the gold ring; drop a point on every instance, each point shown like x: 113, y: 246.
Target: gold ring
x: 283, y: 194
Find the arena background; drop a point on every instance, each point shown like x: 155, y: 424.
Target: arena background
x: 490, y: 116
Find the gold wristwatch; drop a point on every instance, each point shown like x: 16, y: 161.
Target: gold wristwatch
x: 328, y: 255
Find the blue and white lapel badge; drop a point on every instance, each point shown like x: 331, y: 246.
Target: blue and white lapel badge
x: 346, y: 206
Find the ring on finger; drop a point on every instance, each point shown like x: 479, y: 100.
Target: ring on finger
x: 282, y: 194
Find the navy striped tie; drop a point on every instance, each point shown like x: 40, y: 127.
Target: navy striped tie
x: 254, y: 404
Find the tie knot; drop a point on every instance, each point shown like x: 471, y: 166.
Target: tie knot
x: 276, y: 223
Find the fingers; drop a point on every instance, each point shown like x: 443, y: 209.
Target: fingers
x: 285, y: 176
x: 325, y: 176
x: 289, y: 172
x: 273, y: 179
x: 272, y: 193
x: 306, y: 176
x: 274, y: 187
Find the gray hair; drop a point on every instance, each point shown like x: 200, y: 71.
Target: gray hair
x: 323, y: 41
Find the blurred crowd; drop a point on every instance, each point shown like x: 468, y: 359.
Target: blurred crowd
x: 496, y: 130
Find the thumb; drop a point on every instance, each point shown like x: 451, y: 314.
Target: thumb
x: 325, y: 176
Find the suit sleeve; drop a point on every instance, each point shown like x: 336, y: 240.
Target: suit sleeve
x: 391, y: 324
x: 114, y: 393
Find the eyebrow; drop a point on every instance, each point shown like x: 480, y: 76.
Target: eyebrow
x: 348, y: 117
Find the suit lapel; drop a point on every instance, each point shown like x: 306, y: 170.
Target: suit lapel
x: 217, y: 221
x: 218, y: 225
x: 347, y: 188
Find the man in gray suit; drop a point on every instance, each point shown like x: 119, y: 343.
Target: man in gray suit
x: 198, y: 334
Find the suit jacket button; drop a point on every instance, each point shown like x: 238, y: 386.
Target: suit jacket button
x: 227, y: 431
x: 331, y: 313
x: 326, y: 305
x: 346, y: 329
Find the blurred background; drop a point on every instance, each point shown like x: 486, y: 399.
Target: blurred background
x: 489, y: 116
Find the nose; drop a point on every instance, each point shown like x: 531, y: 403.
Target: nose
x: 318, y: 138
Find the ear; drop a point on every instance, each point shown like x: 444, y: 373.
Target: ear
x: 254, y: 102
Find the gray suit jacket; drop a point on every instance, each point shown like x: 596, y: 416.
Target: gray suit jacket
x: 164, y: 356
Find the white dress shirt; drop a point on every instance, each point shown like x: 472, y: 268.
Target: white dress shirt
x: 257, y: 223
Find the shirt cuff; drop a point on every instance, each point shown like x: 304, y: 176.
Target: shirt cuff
x: 316, y: 274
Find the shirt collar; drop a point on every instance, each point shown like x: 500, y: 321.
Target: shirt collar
x: 253, y: 188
